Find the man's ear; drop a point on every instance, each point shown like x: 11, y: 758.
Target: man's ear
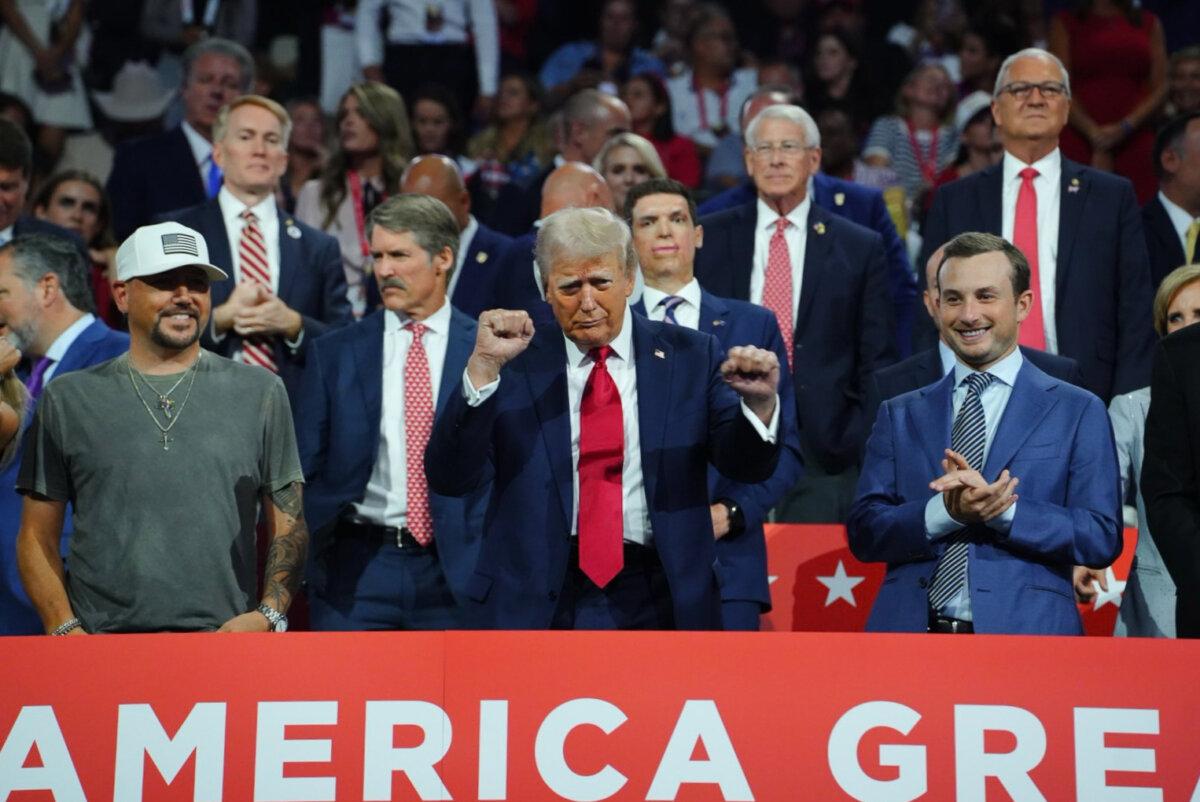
x: 120, y: 291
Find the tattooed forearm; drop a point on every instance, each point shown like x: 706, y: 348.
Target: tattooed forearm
x: 289, y: 542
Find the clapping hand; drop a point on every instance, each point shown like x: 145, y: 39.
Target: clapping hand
x: 969, y: 498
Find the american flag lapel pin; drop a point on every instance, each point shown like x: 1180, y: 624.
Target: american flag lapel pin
x: 293, y: 230
x: 658, y: 352
x: 718, y: 322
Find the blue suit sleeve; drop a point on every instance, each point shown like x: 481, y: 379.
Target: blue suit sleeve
x: 458, y: 452
x: 882, y: 527
x: 1135, y: 330
x: 335, y: 305
x: 312, y: 417
x: 756, y: 500
x: 735, y: 448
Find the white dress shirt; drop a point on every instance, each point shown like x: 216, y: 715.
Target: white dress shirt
x: 6, y: 234
x: 1180, y: 220
x: 463, y: 22
x: 1047, y: 185
x: 687, y: 313
x: 796, y: 236
x: 385, y: 500
x: 938, y: 523
x: 201, y: 151
x: 623, y: 369
x: 63, y: 342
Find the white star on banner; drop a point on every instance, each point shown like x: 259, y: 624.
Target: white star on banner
x: 842, y: 586
x: 1112, y: 595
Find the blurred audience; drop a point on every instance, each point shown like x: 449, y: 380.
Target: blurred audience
x: 916, y: 142
x: 373, y: 146
x: 606, y: 63
x: 438, y: 125
x: 650, y: 112
x: 1183, y: 88
x: 307, y: 149
x: 625, y: 161
x: 837, y: 80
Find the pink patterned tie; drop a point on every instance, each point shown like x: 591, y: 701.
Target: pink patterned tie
x: 418, y: 423
x: 253, y: 265
x: 777, y: 288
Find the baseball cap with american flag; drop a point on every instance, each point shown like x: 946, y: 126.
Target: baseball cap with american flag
x: 161, y: 247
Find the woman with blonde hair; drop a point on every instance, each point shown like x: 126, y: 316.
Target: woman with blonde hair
x: 13, y: 401
x: 1148, y: 603
x: 625, y: 161
x: 373, y: 146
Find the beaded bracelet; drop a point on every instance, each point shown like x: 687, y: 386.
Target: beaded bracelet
x: 67, y: 626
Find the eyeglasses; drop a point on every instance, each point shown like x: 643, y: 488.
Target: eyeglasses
x: 789, y: 148
x: 1021, y: 90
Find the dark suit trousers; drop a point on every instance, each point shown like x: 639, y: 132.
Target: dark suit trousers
x: 637, y: 598
x: 364, y: 584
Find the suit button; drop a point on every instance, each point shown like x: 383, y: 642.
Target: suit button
x: 923, y: 582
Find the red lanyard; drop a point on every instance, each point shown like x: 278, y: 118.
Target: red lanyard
x: 928, y: 165
x: 724, y: 95
x: 356, y: 200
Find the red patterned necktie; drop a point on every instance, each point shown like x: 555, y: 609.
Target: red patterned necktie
x: 601, y: 460
x: 253, y: 266
x: 418, y: 423
x: 1025, y: 237
x: 777, y: 288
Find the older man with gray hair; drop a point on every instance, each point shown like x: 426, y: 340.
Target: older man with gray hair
x: 598, y: 433
x: 387, y: 552
x: 825, y: 278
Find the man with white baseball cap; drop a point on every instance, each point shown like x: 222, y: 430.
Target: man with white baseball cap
x: 166, y: 453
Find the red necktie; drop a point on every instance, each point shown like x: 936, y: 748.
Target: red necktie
x: 418, y: 423
x: 1025, y: 237
x: 252, y: 261
x: 777, y: 288
x: 601, y: 459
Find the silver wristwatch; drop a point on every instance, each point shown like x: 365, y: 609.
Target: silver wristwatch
x: 277, y: 619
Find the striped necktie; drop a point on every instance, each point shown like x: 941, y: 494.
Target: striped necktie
x: 668, y: 305
x: 968, y: 438
x: 1192, y: 233
x: 254, y: 267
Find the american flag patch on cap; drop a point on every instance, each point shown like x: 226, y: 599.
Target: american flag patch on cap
x: 179, y: 243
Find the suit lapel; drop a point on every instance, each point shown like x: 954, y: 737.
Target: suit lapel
x: 818, y: 261
x: 990, y: 198
x: 80, y: 350
x: 714, y: 316
x: 458, y: 350
x: 546, y: 373
x: 653, y: 361
x: 213, y: 229
x: 935, y: 419
x: 289, y: 255
x: 1026, y: 407
x: 930, y: 366
x: 1159, y: 224
x: 741, y: 256
x: 368, y: 362
x: 1073, y: 191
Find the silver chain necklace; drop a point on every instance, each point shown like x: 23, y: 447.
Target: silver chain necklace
x: 166, y: 404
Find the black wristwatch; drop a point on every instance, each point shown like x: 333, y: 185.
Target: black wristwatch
x: 737, y: 519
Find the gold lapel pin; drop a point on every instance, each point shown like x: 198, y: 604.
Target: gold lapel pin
x: 718, y: 322
x: 1074, y: 185
x: 481, y: 257
x: 819, y: 228
x: 839, y: 198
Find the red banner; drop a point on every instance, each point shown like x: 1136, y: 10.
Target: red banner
x: 590, y: 716
x: 818, y: 586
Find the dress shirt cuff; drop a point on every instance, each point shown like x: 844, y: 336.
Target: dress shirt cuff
x: 294, y: 345
x: 769, y: 432
x: 1002, y: 523
x: 938, y: 522
x: 476, y: 397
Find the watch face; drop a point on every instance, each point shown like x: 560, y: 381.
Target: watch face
x: 281, y: 626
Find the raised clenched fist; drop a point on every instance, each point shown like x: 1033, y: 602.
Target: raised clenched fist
x: 502, y: 334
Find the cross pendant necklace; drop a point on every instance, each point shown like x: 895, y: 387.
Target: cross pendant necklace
x: 167, y: 406
x: 166, y: 441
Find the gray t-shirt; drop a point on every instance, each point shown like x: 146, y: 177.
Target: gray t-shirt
x: 164, y: 538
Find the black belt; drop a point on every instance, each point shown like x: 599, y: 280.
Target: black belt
x: 637, y: 556
x: 950, y: 626
x: 361, y: 529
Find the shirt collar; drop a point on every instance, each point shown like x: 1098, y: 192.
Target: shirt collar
x: 201, y: 147
x: 232, y: 208
x: 690, y: 293
x: 438, y: 322
x: 1005, y: 370
x: 7, y: 233
x: 797, y: 217
x: 1179, y: 217
x: 946, y: 354
x: 1049, y: 166
x: 58, y: 348
x: 622, y: 344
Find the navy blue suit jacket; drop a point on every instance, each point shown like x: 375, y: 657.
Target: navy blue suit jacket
x: 1102, y: 284
x: 95, y: 344
x: 926, y: 368
x: 1162, y: 242
x: 338, y: 435
x: 516, y: 286
x: 151, y: 176
x: 742, y: 557
x: 687, y: 417
x: 311, y: 281
x: 862, y: 205
x: 843, y: 327
x: 1057, y: 440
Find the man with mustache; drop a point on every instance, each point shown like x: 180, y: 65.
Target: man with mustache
x: 388, y: 553
x: 166, y: 454
x: 288, y: 284
x: 39, y: 277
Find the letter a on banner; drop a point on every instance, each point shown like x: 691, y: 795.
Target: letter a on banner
x: 700, y: 722
x: 38, y: 726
